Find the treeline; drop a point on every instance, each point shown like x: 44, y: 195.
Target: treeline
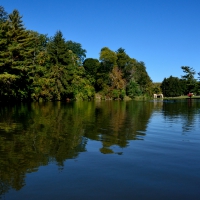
x: 173, y: 86
x: 36, y: 67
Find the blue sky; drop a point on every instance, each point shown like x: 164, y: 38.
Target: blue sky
x: 164, y: 34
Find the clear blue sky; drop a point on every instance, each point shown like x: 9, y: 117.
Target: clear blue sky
x: 164, y: 34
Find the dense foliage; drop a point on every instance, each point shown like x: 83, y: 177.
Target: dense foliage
x: 173, y: 86
x: 36, y: 67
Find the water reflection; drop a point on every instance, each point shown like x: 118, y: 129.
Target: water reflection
x: 115, y: 123
x: 185, y: 112
x: 37, y: 134
x: 34, y: 135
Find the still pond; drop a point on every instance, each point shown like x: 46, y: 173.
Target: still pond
x: 100, y: 150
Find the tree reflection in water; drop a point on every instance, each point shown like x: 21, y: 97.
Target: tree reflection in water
x: 36, y: 134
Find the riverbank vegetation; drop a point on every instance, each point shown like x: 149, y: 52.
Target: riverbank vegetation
x: 173, y: 86
x: 35, y: 67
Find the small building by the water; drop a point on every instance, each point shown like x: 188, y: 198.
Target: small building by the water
x: 157, y: 96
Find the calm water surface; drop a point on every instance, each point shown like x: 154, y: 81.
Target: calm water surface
x: 100, y: 150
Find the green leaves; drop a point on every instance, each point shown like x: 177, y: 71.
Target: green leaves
x: 189, y: 78
x: 77, y: 49
x: 42, y: 68
x: 16, y: 55
x: 133, y: 89
x: 171, y: 87
x: 108, y: 58
x: 7, y: 83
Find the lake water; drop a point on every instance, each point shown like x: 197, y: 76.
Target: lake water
x: 100, y: 150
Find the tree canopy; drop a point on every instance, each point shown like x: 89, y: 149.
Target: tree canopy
x: 34, y: 66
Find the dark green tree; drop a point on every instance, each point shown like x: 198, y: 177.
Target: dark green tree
x: 125, y: 64
x: 91, y: 67
x: 184, y: 88
x: 77, y: 49
x: 122, y: 58
x: 108, y: 60
x: 141, y: 77
x: 16, y: 56
x: 171, y: 87
x: 57, y: 50
x: 60, y: 66
x: 133, y: 89
x: 189, y: 78
x: 3, y: 14
x: 42, y: 83
x: 65, y: 73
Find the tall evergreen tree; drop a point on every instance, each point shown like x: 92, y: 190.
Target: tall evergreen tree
x: 59, y: 60
x: 3, y: 14
x: 189, y: 78
x: 65, y: 73
x: 16, y: 54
